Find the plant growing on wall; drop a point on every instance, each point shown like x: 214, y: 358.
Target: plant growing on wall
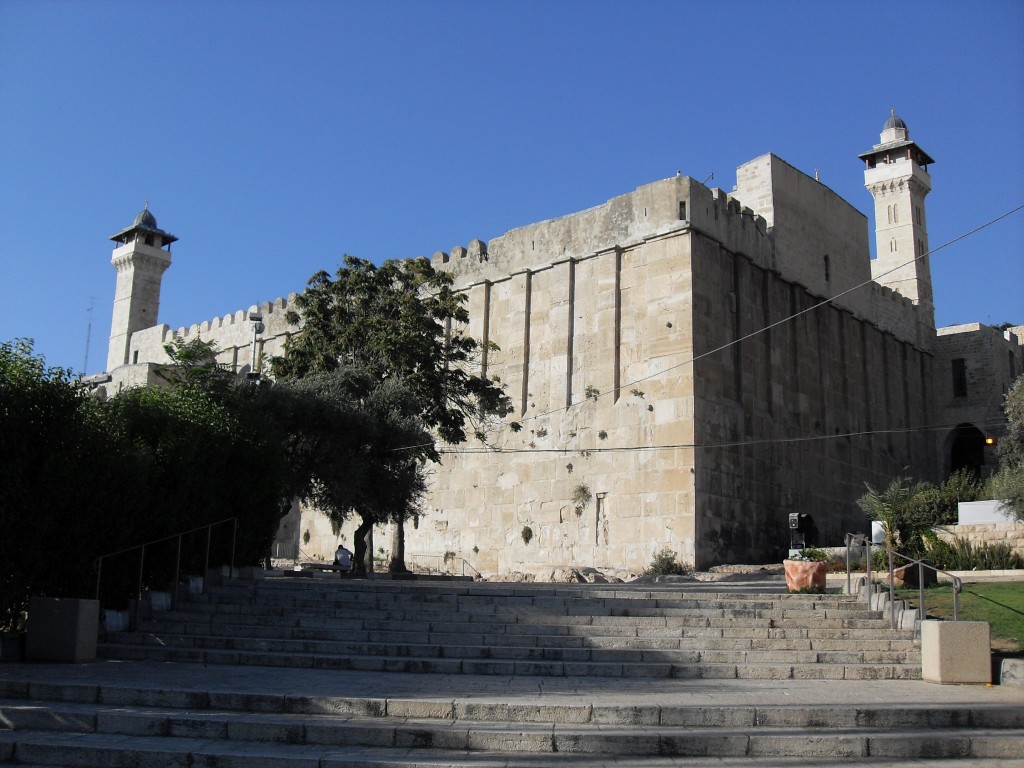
x: 581, y: 497
x: 602, y: 435
x: 527, y: 534
x: 592, y: 392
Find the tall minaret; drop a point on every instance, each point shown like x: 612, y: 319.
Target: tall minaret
x: 140, y: 260
x: 896, y: 174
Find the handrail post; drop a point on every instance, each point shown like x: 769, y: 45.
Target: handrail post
x: 206, y: 558
x: 892, y: 589
x: 867, y: 563
x: 99, y: 574
x: 234, y: 536
x: 957, y: 584
x: 920, y: 587
x: 138, y: 593
x: 848, y: 541
x: 177, y: 574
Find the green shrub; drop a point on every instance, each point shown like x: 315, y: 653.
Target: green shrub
x: 962, y: 555
x: 811, y: 554
x: 666, y: 564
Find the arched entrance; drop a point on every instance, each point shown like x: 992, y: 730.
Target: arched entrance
x: 965, y: 449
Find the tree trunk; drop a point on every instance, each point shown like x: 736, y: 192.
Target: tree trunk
x: 360, y: 556
x: 397, y: 564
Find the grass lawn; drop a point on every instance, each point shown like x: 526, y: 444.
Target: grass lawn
x: 1000, y: 603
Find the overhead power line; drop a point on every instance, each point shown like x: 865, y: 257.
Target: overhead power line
x: 727, y: 345
x: 720, y: 444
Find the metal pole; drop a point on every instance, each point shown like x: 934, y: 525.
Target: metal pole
x: 956, y: 599
x: 234, y: 536
x: 848, y: 541
x: 138, y: 593
x: 920, y: 587
x: 206, y: 559
x: 99, y: 573
x: 892, y: 591
x: 177, y: 575
x: 867, y: 564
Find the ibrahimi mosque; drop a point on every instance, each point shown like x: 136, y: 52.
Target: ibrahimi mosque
x: 690, y: 367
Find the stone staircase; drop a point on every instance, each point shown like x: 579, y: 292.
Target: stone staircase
x: 543, y: 630
x: 283, y: 673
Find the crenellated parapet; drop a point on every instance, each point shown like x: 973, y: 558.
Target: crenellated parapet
x: 657, y: 210
x: 233, y: 334
x: 273, y: 318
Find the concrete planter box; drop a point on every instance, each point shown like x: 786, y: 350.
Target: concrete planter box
x: 804, y: 575
x: 956, y: 652
x: 12, y: 646
x: 62, y: 629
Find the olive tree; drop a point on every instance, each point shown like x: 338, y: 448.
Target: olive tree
x: 401, y: 323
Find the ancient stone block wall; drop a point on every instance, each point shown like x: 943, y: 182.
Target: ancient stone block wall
x: 781, y: 415
x: 584, y: 344
x: 232, y: 334
x: 989, y: 361
x: 980, y: 534
x: 596, y: 350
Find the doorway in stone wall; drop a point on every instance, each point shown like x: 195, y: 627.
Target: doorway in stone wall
x: 965, y: 449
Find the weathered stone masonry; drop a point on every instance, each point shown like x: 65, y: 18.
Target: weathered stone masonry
x: 690, y: 366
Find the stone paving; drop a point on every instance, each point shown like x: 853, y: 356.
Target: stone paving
x: 157, y: 713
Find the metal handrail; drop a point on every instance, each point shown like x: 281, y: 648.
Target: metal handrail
x: 442, y: 562
x: 921, y: 565
x: 854, y: 538
x: 177, y: 564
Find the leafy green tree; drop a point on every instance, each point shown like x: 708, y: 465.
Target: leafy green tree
x: 400, y: 322
x: 1008, y: 482
x: 61, y: 479
x: 909, y: 510
x: 402, y: 319
x: 898, y: 507
x: 360, y: 448
x: 939, y: 505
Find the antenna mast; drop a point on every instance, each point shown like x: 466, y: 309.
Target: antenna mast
x: 88, y: 335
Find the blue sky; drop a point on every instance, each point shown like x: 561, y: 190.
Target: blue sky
x: 274, y: 137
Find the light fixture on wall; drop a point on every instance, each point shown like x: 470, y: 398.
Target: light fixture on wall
x: 257, y: 328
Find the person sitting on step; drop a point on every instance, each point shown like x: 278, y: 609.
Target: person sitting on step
x: 343, y: 559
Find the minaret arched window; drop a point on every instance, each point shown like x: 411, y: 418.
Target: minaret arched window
x: 828, y: 269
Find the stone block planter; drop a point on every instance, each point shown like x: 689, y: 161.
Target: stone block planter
x: 62, y: 629
x: 804, y: 575
x: 956, y: 652
x: 12, y: 646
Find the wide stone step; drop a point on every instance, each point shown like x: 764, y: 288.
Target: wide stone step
x: 102, y: 751
x: 705, y: 638
x: 775, y: 653
x: 478, y: 598
x: 747, y: 669
x: 92, y: 697
x: 583, y: 607
x: 88, y: 735
x: 823, y: 617
x: 762, y: 636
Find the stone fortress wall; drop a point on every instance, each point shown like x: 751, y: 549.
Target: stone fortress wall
x: 690, y: 366
x: 232, y: 334
x: 598, y: 316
